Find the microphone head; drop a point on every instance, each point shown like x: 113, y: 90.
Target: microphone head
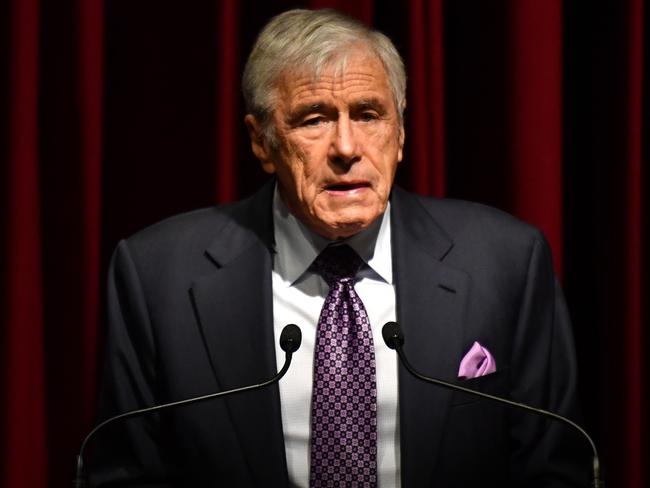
x: 290, y: 338
x: 392, y: 335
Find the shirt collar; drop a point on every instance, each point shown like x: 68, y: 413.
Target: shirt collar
x: 296, y: 246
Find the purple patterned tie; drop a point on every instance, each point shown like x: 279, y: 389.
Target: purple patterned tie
x: 344, y: 398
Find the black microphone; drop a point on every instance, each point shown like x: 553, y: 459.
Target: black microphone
x: 394, y: 339
x: 290, y: 339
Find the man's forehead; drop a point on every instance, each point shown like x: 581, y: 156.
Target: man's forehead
x: 358, y: 76
x: 350, y: 81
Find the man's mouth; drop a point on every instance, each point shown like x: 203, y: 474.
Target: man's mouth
x: 347, y: 187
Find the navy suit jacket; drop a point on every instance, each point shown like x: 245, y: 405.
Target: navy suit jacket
x: 190, y: 312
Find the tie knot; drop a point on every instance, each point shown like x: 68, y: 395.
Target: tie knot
x: 337, y: 263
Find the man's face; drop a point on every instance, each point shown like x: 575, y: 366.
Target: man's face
x: 339, y: 142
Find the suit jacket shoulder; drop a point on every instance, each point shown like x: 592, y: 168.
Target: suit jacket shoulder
x: 462, y: 221
x: 470, y: 236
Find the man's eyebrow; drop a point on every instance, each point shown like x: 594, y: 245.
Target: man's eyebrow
x: 302, y: 110
x: 372, y: 103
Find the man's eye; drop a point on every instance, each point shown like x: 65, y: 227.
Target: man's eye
x: 368, y: 116
x: 312, y: 121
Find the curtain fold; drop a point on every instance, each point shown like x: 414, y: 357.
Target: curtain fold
x: 117, y: 114
x: 24, y: 453
x: 605, y: 283
x: 535, y: 117
x: 228, y: 81
x: 91, y: 79
x: 425, y: 102
x: 633, y: 370
x: 70, y: 161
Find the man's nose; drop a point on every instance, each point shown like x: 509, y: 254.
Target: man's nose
x: 345, y: 145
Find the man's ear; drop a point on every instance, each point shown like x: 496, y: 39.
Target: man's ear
x: 400, y: 142
x: 259, y: 144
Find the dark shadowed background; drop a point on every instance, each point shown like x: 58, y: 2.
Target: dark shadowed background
x: 115, y: 114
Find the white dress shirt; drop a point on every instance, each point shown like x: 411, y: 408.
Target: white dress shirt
x: 298, y: 296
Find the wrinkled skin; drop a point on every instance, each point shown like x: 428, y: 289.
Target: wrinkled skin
x: 339, y: 143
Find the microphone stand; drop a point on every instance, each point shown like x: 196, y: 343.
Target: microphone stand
x: 395, y: 339
x: 289, y: 341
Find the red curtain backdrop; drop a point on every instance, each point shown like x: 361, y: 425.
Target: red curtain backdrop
x: 116, y: 114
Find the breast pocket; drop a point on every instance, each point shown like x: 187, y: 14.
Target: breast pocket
x: 496, y: 383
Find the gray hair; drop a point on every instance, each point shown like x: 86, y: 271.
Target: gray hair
x: 311, y: 40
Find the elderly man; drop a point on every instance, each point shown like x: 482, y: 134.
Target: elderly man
x: 197, y: 303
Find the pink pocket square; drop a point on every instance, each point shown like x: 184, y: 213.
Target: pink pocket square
x: 477, y: 362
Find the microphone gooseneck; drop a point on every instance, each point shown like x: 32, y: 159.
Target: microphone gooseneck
x: 290, y: 339
x: 394, y: 339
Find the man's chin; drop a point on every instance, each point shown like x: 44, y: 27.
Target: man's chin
x: 342, y: 229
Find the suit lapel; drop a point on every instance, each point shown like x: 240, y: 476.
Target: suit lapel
x: 430, y: 303
x: 235, y: 309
